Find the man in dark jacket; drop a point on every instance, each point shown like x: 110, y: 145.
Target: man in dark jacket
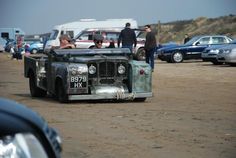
x: 150, y: 46
x: 128, y: 38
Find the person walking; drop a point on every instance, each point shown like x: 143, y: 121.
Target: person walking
x: 127, y: 37
x: 150, y: 46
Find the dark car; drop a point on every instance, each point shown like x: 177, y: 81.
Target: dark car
x: 23, y: 133
x: 192, y: 49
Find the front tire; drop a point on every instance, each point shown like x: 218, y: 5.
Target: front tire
x: 61, y: 94
x: 140, y: 99
x: 140, y: 55
x: 34, y: 90
x: 217, y: 63
x: 177, y: 57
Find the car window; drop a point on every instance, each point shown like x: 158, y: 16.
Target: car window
x: 112, y: 35
x: 204, y: 40
x: 218, y: 40
x: 70, y: 33
x: 84, y: 36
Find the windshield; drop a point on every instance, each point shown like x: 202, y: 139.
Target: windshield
x: 192, y: 40
x: 141, y: 34
x: 233, y: 42
x: 53, y: 35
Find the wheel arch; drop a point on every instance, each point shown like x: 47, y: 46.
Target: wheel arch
x: 30, y: 72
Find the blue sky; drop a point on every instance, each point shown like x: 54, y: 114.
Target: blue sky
x: 39, y: 16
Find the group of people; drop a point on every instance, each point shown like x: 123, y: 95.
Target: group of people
x: 128, y: 39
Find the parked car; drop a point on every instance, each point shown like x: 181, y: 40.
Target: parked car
x: 23, y: 133
x: 35, y: 47
x: 227, y: 54
x: 210, y: 53
x: 85, y: 39
x: 192, y: 49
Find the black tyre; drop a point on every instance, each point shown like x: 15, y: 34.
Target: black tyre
x: 34, y: 90
x: 177, y: 57
x: 61, y: 94
x: 232, y: 64
x: 140, y: 99
x: 140, y: 55
x: 217, y: 63
x: 169, y: 61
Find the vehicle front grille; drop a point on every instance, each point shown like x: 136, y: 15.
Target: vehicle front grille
x: 106, y: 69
x: 221, y: 51
x: 107, y: 81
x: 107, y: 72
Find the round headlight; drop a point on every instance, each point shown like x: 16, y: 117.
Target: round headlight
x: 73, y: 70
x: 227, y: 51
x: 121, y: 69
x: 92, y: 69
x: 214, y: 51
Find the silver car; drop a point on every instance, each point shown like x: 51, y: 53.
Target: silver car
x: 210, y: 53
x: 227, y: 54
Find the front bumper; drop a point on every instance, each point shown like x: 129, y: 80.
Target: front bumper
x: 117, y: 96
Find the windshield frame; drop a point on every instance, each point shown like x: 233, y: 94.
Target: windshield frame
x: 54, y: 34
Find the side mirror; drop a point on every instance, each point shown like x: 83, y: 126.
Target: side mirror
x: 197, y: 43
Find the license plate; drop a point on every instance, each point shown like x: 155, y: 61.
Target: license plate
x: 78, y: 81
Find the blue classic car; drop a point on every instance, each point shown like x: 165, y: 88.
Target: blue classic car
x: 192, y: 49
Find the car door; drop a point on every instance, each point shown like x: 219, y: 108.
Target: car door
x: 195, y: 51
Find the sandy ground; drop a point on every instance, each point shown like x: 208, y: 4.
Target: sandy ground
x: 192, y: 115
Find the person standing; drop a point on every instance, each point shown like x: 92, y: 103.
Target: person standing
x: 186, y: 38
x: 127, y: 37
x: 150, y: 46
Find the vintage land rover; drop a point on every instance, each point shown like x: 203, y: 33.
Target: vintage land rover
x: 88, y: 74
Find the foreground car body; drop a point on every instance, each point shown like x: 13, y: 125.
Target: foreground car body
x: 89, y: 74
x: 227, y: 54
x: 210, y: 53
x: 192, y: 49
x: 23, y: 133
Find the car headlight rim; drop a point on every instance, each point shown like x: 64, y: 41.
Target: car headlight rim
x: 21, y: 144
x: 121, y: 69
x: 92, y: 70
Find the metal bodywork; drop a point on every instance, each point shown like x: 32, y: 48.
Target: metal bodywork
x: 227, y: 54
x: 210, y: 53
x: 91, y: 74
x: 17, y: 118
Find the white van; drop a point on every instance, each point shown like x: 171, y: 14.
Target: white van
x: 75, y: 28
